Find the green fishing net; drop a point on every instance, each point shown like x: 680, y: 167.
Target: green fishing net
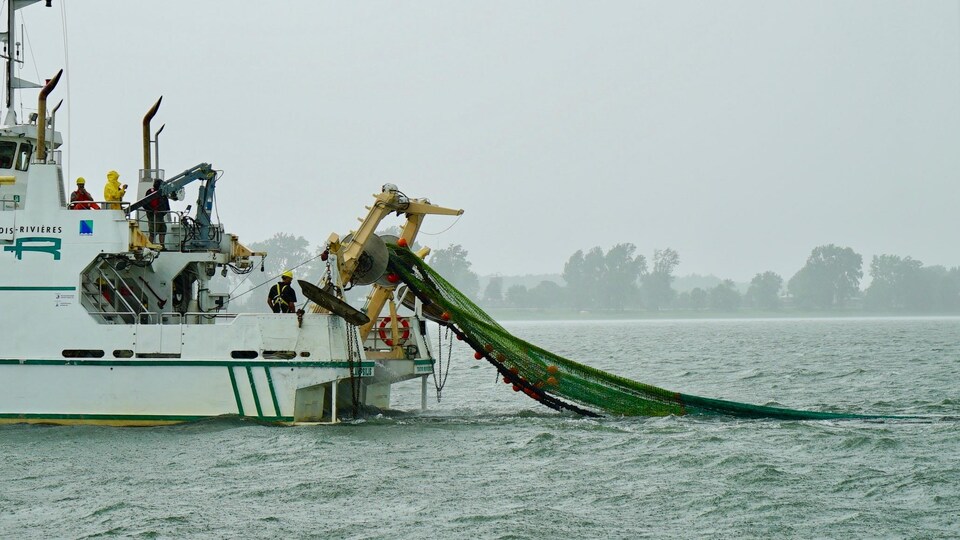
x: 556, y: 381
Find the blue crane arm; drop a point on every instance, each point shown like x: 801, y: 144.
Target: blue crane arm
x: 203, y: 237
x: 203, y: 171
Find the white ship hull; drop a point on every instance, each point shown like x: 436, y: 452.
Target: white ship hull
x: 261, y: 367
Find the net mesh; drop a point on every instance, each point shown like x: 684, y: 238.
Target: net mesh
x: 556, y: 381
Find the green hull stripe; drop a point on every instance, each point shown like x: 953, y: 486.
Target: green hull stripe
x: 38, y: 288
x: 253, y: 388
x: 192, y: 363
x: 273, y: 393
x: 427, y: 362
x: 131, y: 417
x: 236, y: 391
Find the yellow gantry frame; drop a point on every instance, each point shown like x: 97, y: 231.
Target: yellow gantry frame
x: 380, y: 296
x: 348, y: 255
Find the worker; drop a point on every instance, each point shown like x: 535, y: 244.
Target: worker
x: 282, y: 298
x: 113, y: 192
x: 81, y: 199
x: 157, y: 210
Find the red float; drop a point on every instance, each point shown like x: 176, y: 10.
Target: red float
x: 478, y: 355
x: 402, y: 242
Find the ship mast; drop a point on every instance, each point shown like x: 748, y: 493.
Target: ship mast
x: 11, y: 46
x: 11, y: 51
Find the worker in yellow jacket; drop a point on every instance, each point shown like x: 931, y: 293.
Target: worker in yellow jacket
x: 113, y: 191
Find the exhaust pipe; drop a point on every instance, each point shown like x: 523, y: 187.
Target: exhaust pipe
x: 146, y: 133
x: 42, y: 117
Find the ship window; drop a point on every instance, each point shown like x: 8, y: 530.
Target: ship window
x: 123, y: 353
x: 82, y: 353
x: 279, y: 355
x: 243, y: 354
x: 305, y: 354
x: 23, y: 158
x: 8, y: 149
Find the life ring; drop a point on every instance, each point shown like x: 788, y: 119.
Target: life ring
x: 404, y: 325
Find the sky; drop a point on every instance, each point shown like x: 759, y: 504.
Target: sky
x: 741, y: 134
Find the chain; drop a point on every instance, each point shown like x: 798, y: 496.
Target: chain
x: 353, y: 350
x: 441, y: 381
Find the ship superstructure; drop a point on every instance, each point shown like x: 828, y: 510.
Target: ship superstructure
x: 104, y: 324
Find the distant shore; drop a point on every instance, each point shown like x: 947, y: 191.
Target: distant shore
x: 534, y: 314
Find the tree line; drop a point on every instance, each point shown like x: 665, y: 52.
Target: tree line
x: 621, y: 279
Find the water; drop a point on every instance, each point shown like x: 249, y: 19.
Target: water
x: 489, y: 463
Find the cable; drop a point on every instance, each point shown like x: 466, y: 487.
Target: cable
x: 276, y: 276
x: 28, y: 46
x: 445, y: 230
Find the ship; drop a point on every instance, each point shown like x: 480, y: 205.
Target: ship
x: 106, y: 323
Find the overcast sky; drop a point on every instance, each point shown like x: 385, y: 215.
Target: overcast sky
x: 741, y: 134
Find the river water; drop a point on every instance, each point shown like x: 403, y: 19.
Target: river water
x: 489, y: 463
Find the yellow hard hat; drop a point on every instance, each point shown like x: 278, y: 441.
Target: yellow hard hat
x: 288, y: 274
x: 81, y: 181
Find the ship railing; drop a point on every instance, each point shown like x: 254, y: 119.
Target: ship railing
x: 112, y: 291
x: 181, y: 229
x: 189, y: 318
x: 101, y: 204
x: 172, y: 236
x: 53, y: 157
x: 194, y: 317
x: 108, y: 295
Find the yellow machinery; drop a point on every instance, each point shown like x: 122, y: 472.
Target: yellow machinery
x: 361, y: 257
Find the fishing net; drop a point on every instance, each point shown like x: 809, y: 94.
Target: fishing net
x: 553, y: 380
